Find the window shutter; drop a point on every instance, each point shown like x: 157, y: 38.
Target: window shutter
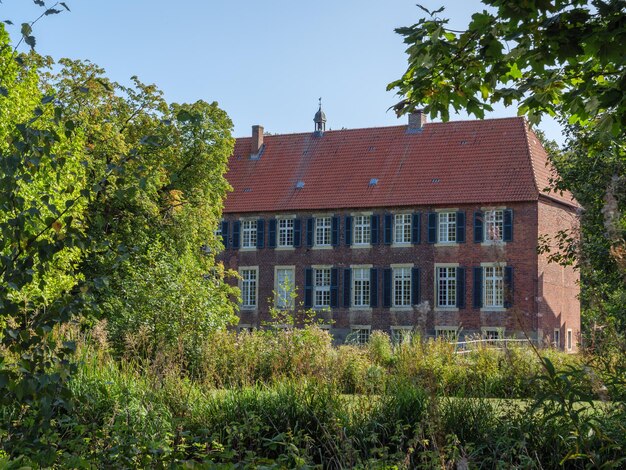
x: 508, y: 287
x: 373, y: 287
x: 348, y: 230
x: 479, y: 231
x: 308, y: 288
x: 387, y: 276
x: 225, y: 234
x: 334, y: 288
x: 347, y: 287
x: 310, y: 226
x: 507, y: 236
x: 415, y: 286
x: 236, y: 230
x: 477, y: 295
x: 374, y: 228
x: 335, y: 231
x: 388, y: 229
x: 271, y: 233
x: 460, y: 227
x: 260, y: 233
x: 416, y: 228
x: 460, y: 287
x: 297, y: 233
x: 432, y: 227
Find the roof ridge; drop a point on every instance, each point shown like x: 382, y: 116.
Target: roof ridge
x: 396, y: 126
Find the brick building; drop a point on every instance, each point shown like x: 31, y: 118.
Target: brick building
x: 430, y: 227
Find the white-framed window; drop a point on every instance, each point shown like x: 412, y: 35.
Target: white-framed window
x: 447, y: 333
x: 493, y: 334
x: 493, y: 292
x: 321, y: 287
x: 447, y: 227
x: 285, y: 232
x: 556, y: 338
x: 360, y: 287
x: 570, y: 340
x: 285, y: 286
x: 402, y: 228
x: 248, y: 234
x: 361, y: 334
x: 446, y: 286
x: 249, y: 286
x: 494, y: 225
x: 402, y: 287
x: 362, y: 230
x: 323, y: 226
x: 401, y: 334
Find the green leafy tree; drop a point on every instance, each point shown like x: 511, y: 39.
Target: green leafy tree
x: 157, y: 218
x: 563, y: 58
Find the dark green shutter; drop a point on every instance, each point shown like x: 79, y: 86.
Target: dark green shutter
x: 388, y: 229
x: 460, y: 287
x: 432, y: 227
x: 297, y: 233
x: 416, y: 228
x: 310, y: 226
x: 334, y: 288
x: 415, y: 286
x: 348, y: 230
x: 271, y: 233
x: 374, y: 229
x: 479, y: 235
x: 508, y: 287
x: 225, y: 234
x: 387, y: 279
x: 477, y: 295
x: 347, y: 287
x: 507, y: 236
x: 335, y: 231
x: 460, y: 227
x: 260, y: 233
x: 236, y: 230
x: 308, y: 288
x: 373, y: 287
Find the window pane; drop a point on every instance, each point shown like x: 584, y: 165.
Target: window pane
x: 402, y: 228
x: 248, y: 287
x: 361, y: 287
x: 446, y: 287
x: 285, y: 232
x: 284, y: 287
x: 321, y: 287
x: 362, y: 230
x: 402, y: 287
x: 248, y: 228
x: 322, y: 231
x: 447, y: 227
x: 494, y: 225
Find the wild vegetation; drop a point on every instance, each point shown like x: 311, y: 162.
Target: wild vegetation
x: 113, y: 347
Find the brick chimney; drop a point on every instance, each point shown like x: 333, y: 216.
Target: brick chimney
x: 257, y: 141
x: 417, y: 120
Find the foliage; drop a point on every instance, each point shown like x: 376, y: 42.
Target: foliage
x: 128, y: 413
x: 557, y: 57
x: 103, y: 189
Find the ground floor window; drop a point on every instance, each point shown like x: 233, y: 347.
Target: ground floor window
x: 321, y: 287
x: 401, y: 334
x: 360, y: 334
x: 249, y: 282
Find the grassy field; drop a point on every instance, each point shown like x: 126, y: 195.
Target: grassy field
x: 290, y: 399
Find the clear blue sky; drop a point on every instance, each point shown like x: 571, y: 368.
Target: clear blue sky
x: 264, y: 62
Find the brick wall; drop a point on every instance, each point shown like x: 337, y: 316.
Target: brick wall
x: 520, y: 253
x: 558, y: 290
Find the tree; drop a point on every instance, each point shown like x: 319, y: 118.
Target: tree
x: 563, y: 58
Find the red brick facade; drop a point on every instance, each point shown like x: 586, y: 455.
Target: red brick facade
x: 531, y: 296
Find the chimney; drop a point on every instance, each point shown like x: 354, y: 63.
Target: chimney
x: 257, y: 141
x: 417, y: 119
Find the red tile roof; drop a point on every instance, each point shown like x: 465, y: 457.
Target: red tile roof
x: 490, y: 161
